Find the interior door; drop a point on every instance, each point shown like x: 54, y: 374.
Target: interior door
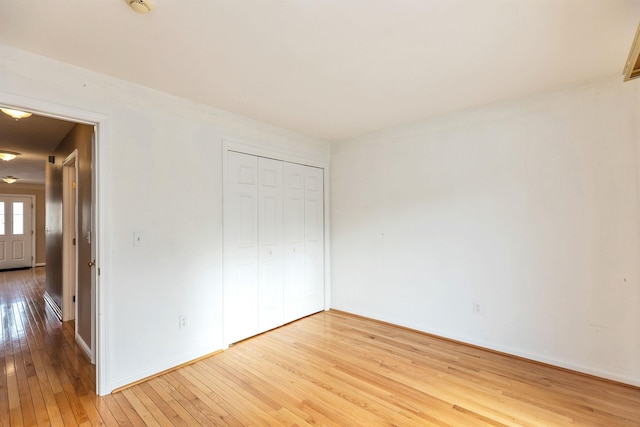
x: 273, y: 244
x: 270, y: 297
x: 92, y: 239
x: 303, y: 241
x: 294, y: 305
x: 16, y: 231
x: 241, y: 248
x: 313, y: 239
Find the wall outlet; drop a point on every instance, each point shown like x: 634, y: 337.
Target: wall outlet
x: 477, y: 308
x: 182, y: 321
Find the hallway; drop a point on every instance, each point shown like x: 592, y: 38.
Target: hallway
x: 46, y: 378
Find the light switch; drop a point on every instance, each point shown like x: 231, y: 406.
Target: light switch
x: 138, y: 238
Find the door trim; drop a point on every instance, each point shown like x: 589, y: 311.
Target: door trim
x: 69, y: 252
x: 33, y: 231
x: 100, y: 165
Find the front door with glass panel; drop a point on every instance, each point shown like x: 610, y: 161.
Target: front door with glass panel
x: 16, y: 233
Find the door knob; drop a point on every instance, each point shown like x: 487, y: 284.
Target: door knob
x: 92, y: 263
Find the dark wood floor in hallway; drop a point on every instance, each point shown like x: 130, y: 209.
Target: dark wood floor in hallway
x: 328, y: 369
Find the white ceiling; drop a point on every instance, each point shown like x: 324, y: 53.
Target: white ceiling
x: 334, y: 69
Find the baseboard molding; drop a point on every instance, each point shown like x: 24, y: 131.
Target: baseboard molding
x: 166, y: 371
x: 40, y: 264
x: 52, y: 304
x: 83, y: 345
x: 508, y: 353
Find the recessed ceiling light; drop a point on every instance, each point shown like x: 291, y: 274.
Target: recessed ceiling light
x: 140, y: 6
x: 16, y: 114
x: 9, y: 179
x: 8, y: 155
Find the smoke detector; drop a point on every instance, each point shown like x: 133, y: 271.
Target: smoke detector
x: 140, y: 6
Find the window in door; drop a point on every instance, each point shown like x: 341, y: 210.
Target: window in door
x: 1, y: 218
x: 18, y: 218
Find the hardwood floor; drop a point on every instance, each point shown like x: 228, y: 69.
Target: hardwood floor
x: 328, y: 369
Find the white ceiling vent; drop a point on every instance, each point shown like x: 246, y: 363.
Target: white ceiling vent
x: 632, y: 67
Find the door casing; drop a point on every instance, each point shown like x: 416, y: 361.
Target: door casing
x: 69, y: 233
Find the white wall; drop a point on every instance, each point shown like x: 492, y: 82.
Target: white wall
x: 163, y: 178
x: 528, y: 208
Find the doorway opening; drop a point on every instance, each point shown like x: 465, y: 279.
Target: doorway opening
x: 96, y: 160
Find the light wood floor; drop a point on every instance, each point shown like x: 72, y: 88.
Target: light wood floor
x: 328, y: 369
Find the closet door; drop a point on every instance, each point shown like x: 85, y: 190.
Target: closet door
x: 241, y: 248
x: 294, y: 306
x: 273, y: 244
x: 313, y: 239
x: 303, y: 241
x: 270, y: 297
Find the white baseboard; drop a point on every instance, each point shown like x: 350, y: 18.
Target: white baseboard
x: 503, y: 349
x: 158, y: 368
x: 40, y: 264
x: 83, y: 345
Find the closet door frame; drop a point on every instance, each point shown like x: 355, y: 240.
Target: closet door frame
x: 286, y: 156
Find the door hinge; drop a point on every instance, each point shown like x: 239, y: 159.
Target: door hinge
x: 98, y: 271
x: 74, y: 241
x: 74, y: 298
x: 73, y: 185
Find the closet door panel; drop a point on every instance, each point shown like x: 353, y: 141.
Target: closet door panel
x: 270, y: 220
x: 294, y: 228
x: 314, y: 239
x: 241, y: 248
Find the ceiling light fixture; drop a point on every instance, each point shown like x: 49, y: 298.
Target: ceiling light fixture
x: 140, y: 6
x: 632, y: 66
x: 9, y: 179
x: 16, y: 114
x: 8, y: 155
